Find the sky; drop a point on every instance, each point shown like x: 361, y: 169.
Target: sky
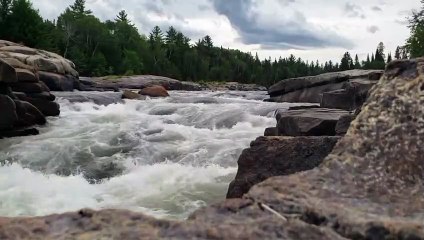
x: 311, y: 29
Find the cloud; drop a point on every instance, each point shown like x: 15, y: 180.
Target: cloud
x: 373, y: 29
x: 292, y: 32
x: 376, y: 9
x: 354, y: 11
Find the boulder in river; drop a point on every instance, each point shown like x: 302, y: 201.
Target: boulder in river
x: 128, y: 94
x: 309, y: 122
x: 154, y: 91
x: 277, y: 156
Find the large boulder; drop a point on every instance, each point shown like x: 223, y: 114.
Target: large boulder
x: 28, y: 114
x: 128, y: 94
x: 311, y: 88
x: 277, y: 156
x: 48, y: 108
x: 309, y: 122
x: 8, y: 113
x: 7, y: 73
x: 154, y: 91
x: 25, y: 75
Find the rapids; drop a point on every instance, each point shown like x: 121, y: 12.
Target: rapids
x: 163, y: 157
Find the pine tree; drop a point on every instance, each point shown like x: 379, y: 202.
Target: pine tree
x: 79, y: 8
x: 397, y: 53
x: 357, y: 63
x: 389, y: 58
x: 122, y: 17
x: 346, y: 62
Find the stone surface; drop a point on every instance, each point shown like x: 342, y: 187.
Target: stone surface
x: 57, y: 82
x: 25, y: 75
x: 28, y: 114
x: 232, y: 86
x: 271, y: 131
x: 8, y: 113
x: 7, y: 72
x: 276, y: 156
x: 308, y: 122
x: 138, y: 82
x: 369, y: 187
x: 310, y: 89
x: 344, y: 123
x: 48, y: 108
x: 154, y: 91
x: 100, y: 98
x: 128, y: 94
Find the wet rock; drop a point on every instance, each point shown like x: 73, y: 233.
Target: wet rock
x: 27, y: 87
x: 44, y: 96
x: 127, y: 94
x: 28, y: 114
x: 57, y: 82
x: 154, y: 91
x: 48, y: 108
x: 309, y: 122
x: 8, y: 113
x: 100, y: 98
x: 19, y: 133
x: 233, y: 86
x: 276, y: 156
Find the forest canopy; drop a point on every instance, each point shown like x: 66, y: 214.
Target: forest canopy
x: 116, y: 47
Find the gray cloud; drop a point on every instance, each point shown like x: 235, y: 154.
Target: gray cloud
x: 376, y: 9
x: 354, y: 11
x: 295, y: 33
x: 373, y: 29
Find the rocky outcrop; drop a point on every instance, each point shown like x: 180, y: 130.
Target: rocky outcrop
x: 232, y: 86
x: 136, y: 82
x: 128, y: 94
x: 278, y: 156
x: 154, y: 91
x: 26, y: 77
x: 311, y: 88
x: 369, y: 187
x: 99, y: 98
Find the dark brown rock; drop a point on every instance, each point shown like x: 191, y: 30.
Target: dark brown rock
x: 48, y: 108
x: 28, y: 114
x: 309, y: 122
x: 57, y: 82
x: 7, y: 73
x: 19, y: 133
x: 28, y: 87
x: 276, y: 156
x: 8, y: 113
x: 44, y: 96
x: 154, y: 91
x: 270, y: 132
x: 25, y: 75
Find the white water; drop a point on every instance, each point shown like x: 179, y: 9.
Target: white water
x: 164, y: 157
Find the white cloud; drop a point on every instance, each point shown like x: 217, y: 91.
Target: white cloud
x: 360, y: 22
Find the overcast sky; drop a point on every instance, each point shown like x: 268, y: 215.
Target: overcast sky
x: 311, y: 29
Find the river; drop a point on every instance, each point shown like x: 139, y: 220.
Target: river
x: 163, y: 157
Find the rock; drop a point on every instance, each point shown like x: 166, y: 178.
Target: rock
x: 351, y: 97
x: 27, y: 87
x: 309, y: 122
x: 233, y: 86
x: 127, y: 94
x: 19, y: 133
x: 154, y: 91
x: 25, y: 75
x: 276, y: 156
x: 19, y: 49
x: 270, y: 132
x: 369, y: 187
x: 310, y: 89
x: 44, y: 96
x: 56, y: 82
x: 343, y: 124
x: 99, y: 98
x: 28, y: 114
x: 7, y: 73
x: 8, y: 113
x: 48, y: 108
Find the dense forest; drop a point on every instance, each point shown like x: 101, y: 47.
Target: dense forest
x: 115, y: 47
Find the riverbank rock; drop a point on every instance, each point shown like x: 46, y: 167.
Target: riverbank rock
x: 311, y: 88
x: 25, y: 77
x: 154, y: 91
x: 137, y: 82
x: 308, y: 122
x: 369, y: 187
x: 277, y: 156
x: 232, y: 86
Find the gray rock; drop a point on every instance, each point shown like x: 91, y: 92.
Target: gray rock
x: 343, y: 124
x: 271, y: 132
x: 7, y: 72
x: 309, y: 122
x: 277, y: 156
x: 25, y: 75
x: 100, y: 98
x: 56, y: 82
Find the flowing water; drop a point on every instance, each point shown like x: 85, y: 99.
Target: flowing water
x: 164, y: 157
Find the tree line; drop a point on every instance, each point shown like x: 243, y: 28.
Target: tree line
x: 115, y: 47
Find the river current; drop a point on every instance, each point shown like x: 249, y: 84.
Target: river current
x: 163, y: 157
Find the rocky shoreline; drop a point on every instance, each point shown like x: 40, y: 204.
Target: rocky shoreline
x: 368, y: 187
